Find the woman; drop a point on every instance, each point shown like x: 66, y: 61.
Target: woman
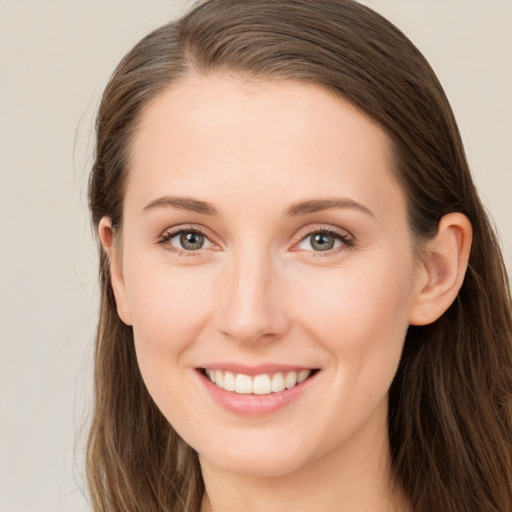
x: 304, y: 306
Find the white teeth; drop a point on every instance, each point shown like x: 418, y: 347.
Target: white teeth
x: 219, y: 378
x: 243, y: 384
x: 229, y: 381
x: 290, y: 380
x: 263, y: 384
x: 278, y: 383
x: 302, y: 376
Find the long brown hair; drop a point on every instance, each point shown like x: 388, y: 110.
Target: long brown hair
x: 450, y: 412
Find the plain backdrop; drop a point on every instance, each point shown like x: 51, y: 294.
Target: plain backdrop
x: 55, y: 59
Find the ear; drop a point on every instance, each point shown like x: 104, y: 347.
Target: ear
x: 106, y: 234
x: 442, y: 268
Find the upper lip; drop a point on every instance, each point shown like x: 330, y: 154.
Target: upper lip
x: 253, y: 370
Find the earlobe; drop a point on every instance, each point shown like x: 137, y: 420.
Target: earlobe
x: 106, y: 234
x: 442, y: 269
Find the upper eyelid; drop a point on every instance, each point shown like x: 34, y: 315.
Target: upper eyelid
x: 331, y: 230
x: 173, y: 231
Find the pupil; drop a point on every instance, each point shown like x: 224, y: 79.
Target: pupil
x: 191, y: 241
x: 322, y: 242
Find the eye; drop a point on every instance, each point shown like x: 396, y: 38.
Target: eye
x: 187, y: 240
x: 323, y: 241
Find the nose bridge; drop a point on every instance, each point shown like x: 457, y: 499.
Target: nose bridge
x: 250, y: 309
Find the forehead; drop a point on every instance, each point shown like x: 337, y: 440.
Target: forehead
x: 208, y: 104
x: 219, y: 132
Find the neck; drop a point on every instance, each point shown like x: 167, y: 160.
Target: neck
x: 355, y: 477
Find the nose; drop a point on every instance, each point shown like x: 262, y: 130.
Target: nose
x: 252, y: 306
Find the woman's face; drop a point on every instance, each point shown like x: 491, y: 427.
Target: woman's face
x: 264, y: 240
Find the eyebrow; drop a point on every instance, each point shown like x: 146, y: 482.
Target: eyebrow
x: 183, y: 203
x: 297, y: 209
x: 316, y: 205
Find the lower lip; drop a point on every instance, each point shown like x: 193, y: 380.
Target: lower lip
x: 255, y: 405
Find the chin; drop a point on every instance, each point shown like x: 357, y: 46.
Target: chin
x: 262, y: 465
x: 262, y: 457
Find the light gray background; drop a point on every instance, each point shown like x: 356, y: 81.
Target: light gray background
x: 55, y: 58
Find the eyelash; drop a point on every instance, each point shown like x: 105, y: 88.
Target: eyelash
x: 167, y: 236
x: 346, y: 240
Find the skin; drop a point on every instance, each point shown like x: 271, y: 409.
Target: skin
x: 259, y: 292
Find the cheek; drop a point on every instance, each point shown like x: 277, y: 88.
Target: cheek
x: 167, y: 303
x: 359, y: 315
x: 357, y: 305
x: 169, y: 307
x: 360, y: 318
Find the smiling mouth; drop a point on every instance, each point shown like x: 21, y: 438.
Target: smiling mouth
x: 263, y: 384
